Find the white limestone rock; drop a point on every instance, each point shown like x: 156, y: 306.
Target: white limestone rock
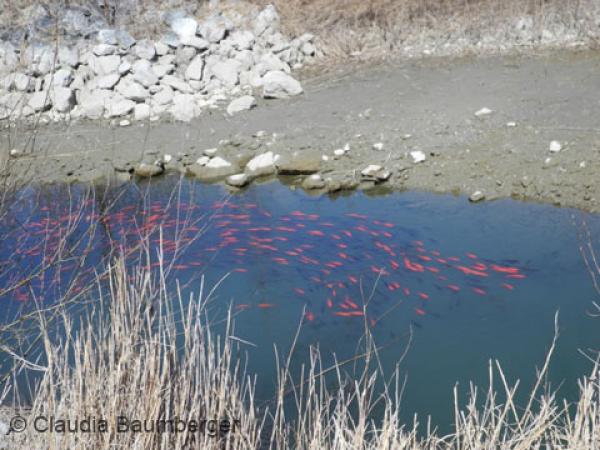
x: 195, y: 68
x: 241, y: 104
x: 263, y: 164
x: 278, y: 84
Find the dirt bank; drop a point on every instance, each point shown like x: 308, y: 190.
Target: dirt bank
x: 426, y: 106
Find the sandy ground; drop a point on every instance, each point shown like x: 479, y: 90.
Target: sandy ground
x: 549, y: 97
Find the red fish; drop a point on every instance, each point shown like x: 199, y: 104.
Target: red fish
x: 419, y: 311
x: 309, y: 316
x: 479, y: 291
x: 266, y: 305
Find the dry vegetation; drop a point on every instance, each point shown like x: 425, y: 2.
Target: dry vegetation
x: 145, y: 352
x: 383, y: 28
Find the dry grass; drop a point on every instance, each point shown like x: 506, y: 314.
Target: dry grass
x: 142, y: 354
x: 385, y: 28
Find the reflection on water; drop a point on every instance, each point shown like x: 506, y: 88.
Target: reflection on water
x: 474, y: 282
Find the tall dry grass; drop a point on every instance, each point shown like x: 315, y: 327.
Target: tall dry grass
x: 144, y: 352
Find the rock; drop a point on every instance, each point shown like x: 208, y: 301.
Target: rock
x: 203, y: 160
x: 119, y: 106
x: 164, y: 96
x: 270, y: 62
x: 242, y: 39
x: 141, y: 111
x: 314, y: 181
x: 22, y: 82
x: 194, y: 70
x: 378, y: 146
x: 145, y: 49
x: 68, y: 56
x: 148, y: 170
x: 124, y: 123
x: 214, y: 28
x: 124, y: 67
x: 196, y: 42
x: 339, y: 152
x: 277, y: 84
x: 215, y: 168
x: 132, y: 90
x: 418, y: 156
x: 375, y: 172
x: 267, y: 21
x: 184, y: 55
x: 40, y: 101
x: 476, y: 196
x: 104, y: 50
x: 241, y: 104
x: 124, y: 39
x: 483, y: 112
x: 163, y: 69
x: 298, y: 163
x: 227, y: 72
x: 184, y: 27
x: 107, y: 36
x: 63, y: 99
x: 108, y: 81
x: 92, y: 107
x: 177, y: 84
x: 511, y: 124
x: 161, y: 48
x: 104, y: 65
x: 263, y: 164
x: 308, y: 49
x: 555, y: 146
x: 238, y: 180
x: 143, y: 73
x: 62, y: 77
x: 210, y: 151
x: 184, y: 107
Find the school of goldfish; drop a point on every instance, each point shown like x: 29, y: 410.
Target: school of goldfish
x: 333, y: 261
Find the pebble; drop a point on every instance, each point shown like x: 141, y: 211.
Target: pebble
x: 555, y: 147
x: 483, y: 112
x: 378, y: 146
x: 476, y: 196
x: 203, y: 160
x: 238, y: 180
x: 210, y: 151
x: 418, y: 156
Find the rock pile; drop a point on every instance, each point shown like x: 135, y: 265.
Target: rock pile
x: 196, y: 65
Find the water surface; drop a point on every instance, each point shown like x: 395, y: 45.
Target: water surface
x: 473, y: 282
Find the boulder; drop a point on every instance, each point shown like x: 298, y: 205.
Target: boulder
x: 108, y: 81
x: 215, y: 168
x: 314, y: 181
x: 141, y: 111
x: 194, y: 70
x: 227, y: 72
x: 241, y: 104
x: 104, y: 50
x: 40, y: 101
x: 184, y: 107
x: 145, y: 49
x: 63, y: 99
x: 184, y: 26
x: 143, y: 73
x: 278, y: 84
x: 267, y: 21
x: 177, y: 84
x: 148, y: 170
x: 119, y: 106
x: 263, y: 164
x: 196, y: 42
x: 62, y: 77
x: 164, y: 96
x: 132, y: 90
x: 242, y: 39
x: 214, y: 28
x: 238, y: 180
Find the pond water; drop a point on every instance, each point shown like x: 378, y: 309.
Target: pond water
x: 473, y: 281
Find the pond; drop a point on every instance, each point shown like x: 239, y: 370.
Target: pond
x: 473, y: 282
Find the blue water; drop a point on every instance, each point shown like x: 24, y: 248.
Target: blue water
x: 473, y: 282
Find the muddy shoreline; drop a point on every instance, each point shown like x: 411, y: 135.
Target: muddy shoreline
x: 382, y: 115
